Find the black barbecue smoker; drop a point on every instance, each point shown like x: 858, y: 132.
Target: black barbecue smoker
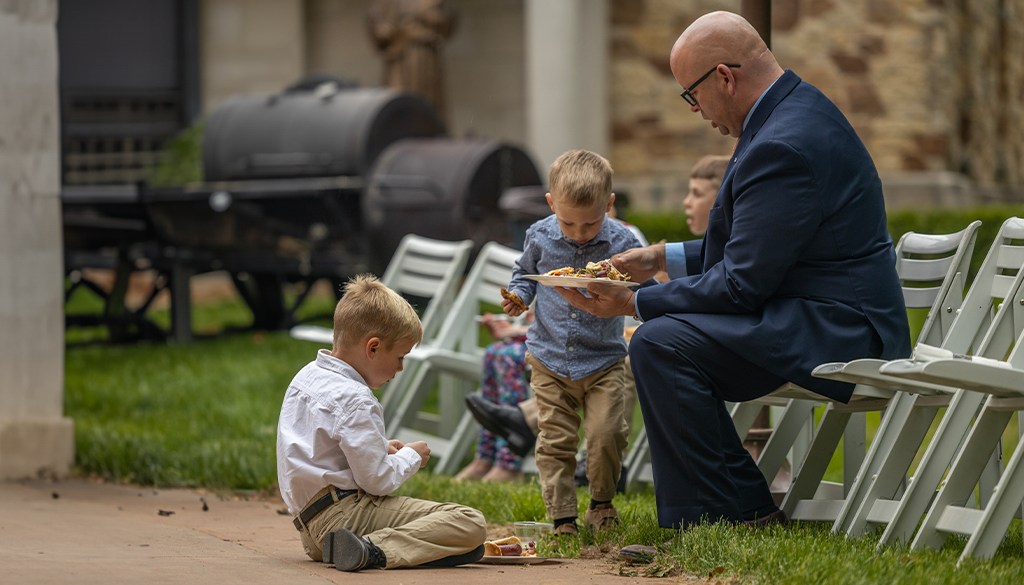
x: 316, y: 182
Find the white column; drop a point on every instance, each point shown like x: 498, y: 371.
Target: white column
x: 566, y: 77
x: 35, y: 438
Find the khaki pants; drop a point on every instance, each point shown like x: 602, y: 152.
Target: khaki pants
x: 600, y: 396
x: 529, y: 406
x: 408, y: 530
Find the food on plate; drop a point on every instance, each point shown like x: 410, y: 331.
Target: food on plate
x: 514, y: 298
x: 567, y: 271
x: 602, y: 269
x: 508, y: 547
x: 605, y: 269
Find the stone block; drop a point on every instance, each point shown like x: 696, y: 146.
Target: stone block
x: 927, y: 190
x: 785, y: 14
x: 36, y: 448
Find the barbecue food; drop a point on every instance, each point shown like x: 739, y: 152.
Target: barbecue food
x: 514, y: 298
x: 602, y: 269
x: 506, y: 547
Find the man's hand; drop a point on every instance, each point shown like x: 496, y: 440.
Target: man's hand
x: 421, y: 448
x: 641, y: 264
x: 606, y: 300
x: 394, y: 445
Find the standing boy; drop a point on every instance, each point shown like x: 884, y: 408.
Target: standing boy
x: 577, y: 358
x: 335, y: 466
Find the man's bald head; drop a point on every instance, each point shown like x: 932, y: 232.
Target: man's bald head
x: 719, y: 37
x: 735, y: 64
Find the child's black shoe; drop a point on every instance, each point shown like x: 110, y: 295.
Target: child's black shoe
x: 349, y: 552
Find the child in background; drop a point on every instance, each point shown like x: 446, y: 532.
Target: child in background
x: 705, y: 180
x: 335, y: 466
x: 577, y: 358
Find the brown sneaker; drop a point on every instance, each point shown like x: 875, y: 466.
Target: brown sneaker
x: 569, y: 529
x: 601, y: 517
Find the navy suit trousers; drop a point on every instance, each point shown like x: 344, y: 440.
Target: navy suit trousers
x: 701, y: 470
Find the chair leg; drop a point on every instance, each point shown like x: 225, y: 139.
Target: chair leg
x: 639, y: 454
x: 743, y: 415
x: 893, y: 419
x: 854, y: 445
x: 412, y: 400
x: 1006, y: 498
x: 892, y: 469
x: 458, y: 446
x: 963, y: 475
x: 812, y: 469
x: 943, y: 447
x: 786, y: 430
x: 990, y: 477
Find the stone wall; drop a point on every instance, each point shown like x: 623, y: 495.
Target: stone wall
x: 249, y: 46
x: 35, y: 438
x: 932, y: 87
x: 483, y: 60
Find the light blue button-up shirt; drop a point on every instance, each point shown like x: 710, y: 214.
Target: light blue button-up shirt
x: 568, y: 341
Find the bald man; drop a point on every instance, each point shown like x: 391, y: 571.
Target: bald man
x: 796, y: 269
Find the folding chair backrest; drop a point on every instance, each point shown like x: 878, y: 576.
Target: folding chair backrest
x: 491, y: 271
x: 430, y: 269
x: 1008, y: 327
x: 947, y: 258
x: 994, y: 281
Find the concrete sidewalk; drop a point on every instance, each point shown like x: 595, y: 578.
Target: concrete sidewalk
x: 84, y: 532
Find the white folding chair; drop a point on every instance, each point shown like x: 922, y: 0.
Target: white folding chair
x: 875, y: 499
x: 455, y: 359
x: 949, y: 259
x: 1001, y: 384
x: 421, y: 267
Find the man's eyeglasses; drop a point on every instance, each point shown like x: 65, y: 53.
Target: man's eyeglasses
x: 686, y: 92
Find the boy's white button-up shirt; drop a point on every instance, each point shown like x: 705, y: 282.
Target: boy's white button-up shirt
x: 331, y: 432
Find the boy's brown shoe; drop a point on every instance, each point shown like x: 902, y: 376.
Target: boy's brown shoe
x: 569, y: 529
x: 601, y: 517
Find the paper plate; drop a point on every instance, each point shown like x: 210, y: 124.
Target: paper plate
x: 513, y: 560
x: 577, y: 282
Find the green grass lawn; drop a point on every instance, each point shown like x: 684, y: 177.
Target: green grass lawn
x: 205, y: 414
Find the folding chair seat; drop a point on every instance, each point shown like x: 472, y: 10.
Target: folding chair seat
x: 875, y: 499
x: 421, y: 267
x: 948, y: 259
x: 454, y: 359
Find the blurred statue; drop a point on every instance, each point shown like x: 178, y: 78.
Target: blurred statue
x: 410, y: 34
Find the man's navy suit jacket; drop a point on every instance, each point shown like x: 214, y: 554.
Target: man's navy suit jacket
x: 797, y: 267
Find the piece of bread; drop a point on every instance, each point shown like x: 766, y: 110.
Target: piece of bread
x: 491, y: 549
x: 514, y: 298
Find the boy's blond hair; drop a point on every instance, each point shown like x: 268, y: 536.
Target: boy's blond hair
x: 711, y: 167
x: 370, y: 309
x: 581, y: 178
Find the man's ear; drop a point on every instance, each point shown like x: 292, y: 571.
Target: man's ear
x: 730, y: 80
x: 372, y: 345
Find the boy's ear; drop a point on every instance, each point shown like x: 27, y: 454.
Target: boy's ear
x: 372, y: 345
x: 611, y: 203
x: 551, y: 203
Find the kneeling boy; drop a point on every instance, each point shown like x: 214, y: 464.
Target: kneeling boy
x: 335, y: 466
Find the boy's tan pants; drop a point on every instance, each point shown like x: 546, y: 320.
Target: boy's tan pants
x: 408, y: 530
x: 604, y: 427
x: 529, y: 406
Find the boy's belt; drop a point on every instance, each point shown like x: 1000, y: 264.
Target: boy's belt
x: 314, y: 508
